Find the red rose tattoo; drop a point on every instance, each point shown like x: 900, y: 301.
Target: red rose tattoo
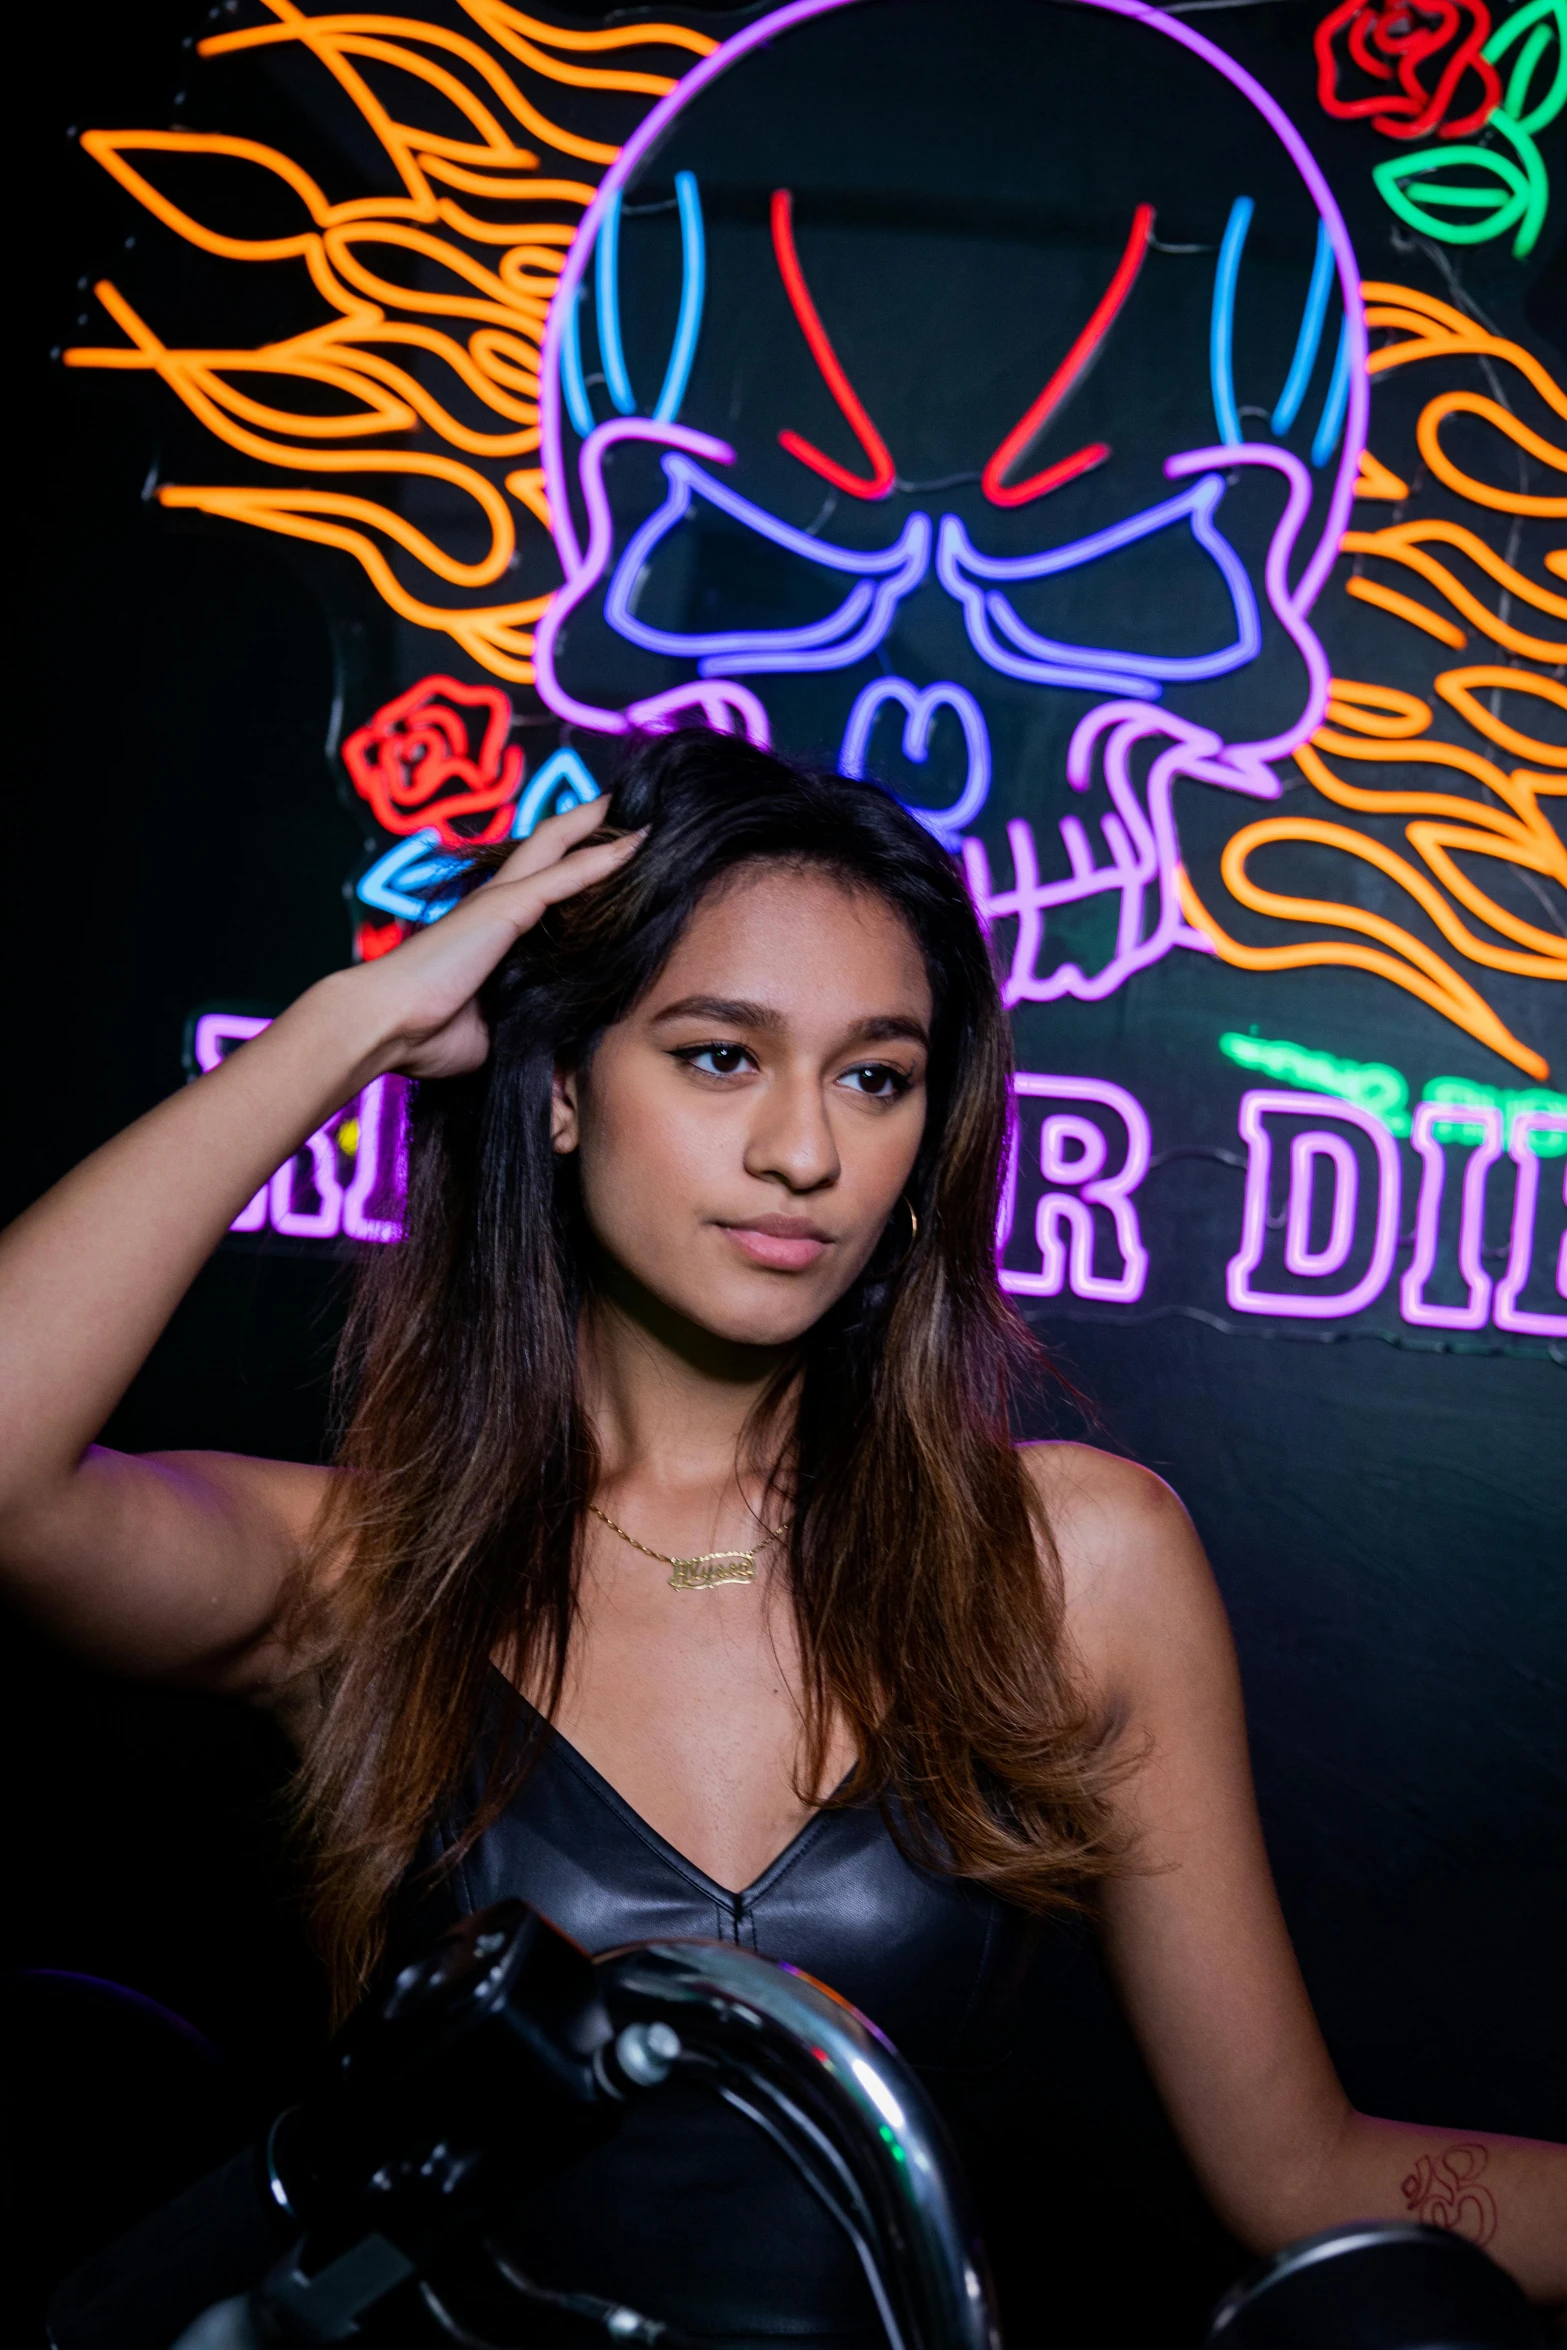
x: 412, y: 762
x: 1445, y: 2191
x: 1429, y: 49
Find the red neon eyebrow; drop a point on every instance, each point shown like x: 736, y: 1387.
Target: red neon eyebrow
x: 1028, y: 426
x: 882, y: 471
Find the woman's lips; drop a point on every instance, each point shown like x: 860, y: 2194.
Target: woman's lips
x: 785, y: 1244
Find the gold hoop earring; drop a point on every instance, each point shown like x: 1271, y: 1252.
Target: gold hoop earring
x: 914, y: 1233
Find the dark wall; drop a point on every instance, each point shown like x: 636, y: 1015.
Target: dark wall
x: 1387, y: 1526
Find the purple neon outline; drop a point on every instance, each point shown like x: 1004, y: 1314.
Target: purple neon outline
x: 1195, y: 752
x: 1260, y: 1103
x: 1063, y: 1123
x: 959, y: 565
x: 601, y: 538
x: 211, y: 1029
x: 837, y: 641
x: 1111, y: 1192
x: 720, y: 701
x: 374, y: 1103
x: 919, y: 705
x: 1288, y: 604
x: 1144, y: 855
x: 1300, y: 1257
x: 766, y: 29
x: 274, y: 1201
x: 1475, y: 1313
x: 1505, y: 1310
x: 323, y: 1223
x: 818, y: 644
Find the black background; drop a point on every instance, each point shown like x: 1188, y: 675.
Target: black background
x: 1387, y: 1525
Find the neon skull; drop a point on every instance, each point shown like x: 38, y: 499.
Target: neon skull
x: 970, y: 392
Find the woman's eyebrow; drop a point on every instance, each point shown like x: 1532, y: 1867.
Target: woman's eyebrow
x: 887, y: 1027
x: 734, y: 1011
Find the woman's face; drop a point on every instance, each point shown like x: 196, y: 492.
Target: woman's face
x: 746, y: 1132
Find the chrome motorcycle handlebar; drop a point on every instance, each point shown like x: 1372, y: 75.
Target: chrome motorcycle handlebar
x: 805, y: 2067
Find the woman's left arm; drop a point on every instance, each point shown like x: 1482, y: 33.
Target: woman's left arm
x: 1194, y: 1935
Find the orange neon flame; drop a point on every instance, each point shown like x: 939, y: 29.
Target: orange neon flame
x: 399, y: 287
x: 1405, y: 543
x: 1375, y: 481
x: 1434, y: 329
x: 1376, y: 726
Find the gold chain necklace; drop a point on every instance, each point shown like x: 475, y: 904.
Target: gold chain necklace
x: 707, y: 1568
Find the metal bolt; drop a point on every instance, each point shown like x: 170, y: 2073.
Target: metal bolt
x: 647, y: 2053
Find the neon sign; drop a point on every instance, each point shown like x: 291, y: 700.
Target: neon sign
x: 423, y: 777
x: 1328, y: 1250
x: 1385, y: 1091
x: 867, y: 591
x: 1072, y: 1155
x: 1467, y: 194
x: 1351, y: 1234
x: 687, y: 395
x: 456, y: 292
x: 347, y: 1180
x: 1090, y: 1144
x: 1383, y: 725
x: 1309, y: 1148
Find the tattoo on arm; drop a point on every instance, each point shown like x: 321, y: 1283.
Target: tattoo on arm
x: 1445, y: 2191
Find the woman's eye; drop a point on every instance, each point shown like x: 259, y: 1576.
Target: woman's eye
x: 878, y: 1079
x: 716, y: 1060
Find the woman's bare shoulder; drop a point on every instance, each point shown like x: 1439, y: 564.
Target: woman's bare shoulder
x: 1099, y: 1504
x: 1135, y: 1577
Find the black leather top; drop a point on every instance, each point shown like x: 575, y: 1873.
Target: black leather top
x: 688, y: 2214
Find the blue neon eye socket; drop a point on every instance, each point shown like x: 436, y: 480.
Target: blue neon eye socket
x: 862, y: 619
x: 846, y: 634
x: 1001, y: 637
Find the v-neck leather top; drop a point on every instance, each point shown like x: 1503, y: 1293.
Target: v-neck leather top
x: 688, y: 2214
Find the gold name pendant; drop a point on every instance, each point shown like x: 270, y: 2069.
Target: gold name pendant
x: 707, y: 1569
x: 714, y: 1566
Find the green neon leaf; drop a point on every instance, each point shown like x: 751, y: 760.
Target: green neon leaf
x: 1515, y: 191
x: 1431, y: 171
x: 1545, y: 21
x: 1479, y: 199
x: 1534, y: 172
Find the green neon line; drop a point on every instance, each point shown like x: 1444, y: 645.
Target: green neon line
x: 1384, y: 1091
x: 1538, y: 184
x: 1393, y: 178
x: 1511, y: 1100
x: 1371, y: 1085
x: 1482, y: 199
x: 1502, y: 40
x: 1523, y: 73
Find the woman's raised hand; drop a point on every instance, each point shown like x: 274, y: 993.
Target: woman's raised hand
x: 426, y: 989
x: 179, y: 1565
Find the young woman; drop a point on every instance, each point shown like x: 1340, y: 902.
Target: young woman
x: 679, y: 1572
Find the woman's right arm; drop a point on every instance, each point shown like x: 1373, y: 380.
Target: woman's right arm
x: 175, y: 1565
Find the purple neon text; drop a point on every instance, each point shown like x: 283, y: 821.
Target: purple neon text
x: 1081, y: 1148
x: 308, y: 1197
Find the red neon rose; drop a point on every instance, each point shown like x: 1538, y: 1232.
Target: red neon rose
x: 1427, y: 47
x: 412, y: 762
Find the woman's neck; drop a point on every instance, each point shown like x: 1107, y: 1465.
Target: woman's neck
x: 673, y: 1407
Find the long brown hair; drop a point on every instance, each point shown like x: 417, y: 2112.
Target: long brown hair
x: 927, y: 1623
